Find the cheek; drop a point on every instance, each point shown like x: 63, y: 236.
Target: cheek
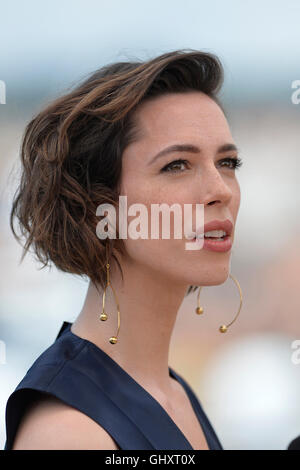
x: 236, y: 199
x: 150, y: 252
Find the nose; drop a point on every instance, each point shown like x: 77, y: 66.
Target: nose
x: 214, y: 188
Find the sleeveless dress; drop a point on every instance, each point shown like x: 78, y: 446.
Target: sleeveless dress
x: 80, y: 374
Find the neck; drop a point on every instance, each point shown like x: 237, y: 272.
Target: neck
x: 148, y: 309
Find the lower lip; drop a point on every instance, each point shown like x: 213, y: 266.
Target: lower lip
x: 214, y: 245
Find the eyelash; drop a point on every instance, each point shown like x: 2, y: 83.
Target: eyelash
x: 237, y: 163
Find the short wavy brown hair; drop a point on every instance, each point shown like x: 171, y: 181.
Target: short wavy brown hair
x: 71, y: 155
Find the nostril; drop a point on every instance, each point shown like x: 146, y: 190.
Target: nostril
x: 211, y: 203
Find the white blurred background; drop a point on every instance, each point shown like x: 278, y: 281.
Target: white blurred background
x: 245, y: 379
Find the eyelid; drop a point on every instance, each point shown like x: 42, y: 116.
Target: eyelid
x: 234, y: 158
x: 177, y: 160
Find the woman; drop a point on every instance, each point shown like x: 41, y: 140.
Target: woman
x: 92, y: 388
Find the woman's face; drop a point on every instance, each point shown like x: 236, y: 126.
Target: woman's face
x: 205, y: 177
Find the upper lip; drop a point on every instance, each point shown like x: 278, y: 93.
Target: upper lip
x: 225, y: 225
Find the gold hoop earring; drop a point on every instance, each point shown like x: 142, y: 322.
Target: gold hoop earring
x: 223, y: 328
x: 103, y: 315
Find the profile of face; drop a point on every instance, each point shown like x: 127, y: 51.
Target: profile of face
x: 206, y: 177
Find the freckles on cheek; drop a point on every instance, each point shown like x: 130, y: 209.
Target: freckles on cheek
x: 145, y: 192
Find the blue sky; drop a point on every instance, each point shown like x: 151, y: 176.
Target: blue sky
x: 54, y: 43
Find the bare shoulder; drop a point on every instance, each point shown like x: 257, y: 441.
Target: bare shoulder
x: 51, y: 424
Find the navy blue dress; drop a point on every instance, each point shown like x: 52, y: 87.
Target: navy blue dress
x: 80, y: 374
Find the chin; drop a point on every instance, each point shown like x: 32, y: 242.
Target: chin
x: 218, y: 281
x: 212, y: 279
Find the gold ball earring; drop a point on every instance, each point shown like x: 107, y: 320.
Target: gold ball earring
x: 103, y: 315
x: 199, y: 310
x: 223, y: 328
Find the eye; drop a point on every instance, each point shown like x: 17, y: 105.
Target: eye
x: 171, y: 165
x: 233, y: 163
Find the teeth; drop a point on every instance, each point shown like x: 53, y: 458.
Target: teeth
x: 212, y: 233
x: 215, y: 233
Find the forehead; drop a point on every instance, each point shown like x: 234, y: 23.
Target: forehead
x: 179, y: 115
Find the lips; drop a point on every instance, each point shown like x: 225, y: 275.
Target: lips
x: 225, y: 225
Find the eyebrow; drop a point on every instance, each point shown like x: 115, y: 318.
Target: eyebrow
x: 192, y: 149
